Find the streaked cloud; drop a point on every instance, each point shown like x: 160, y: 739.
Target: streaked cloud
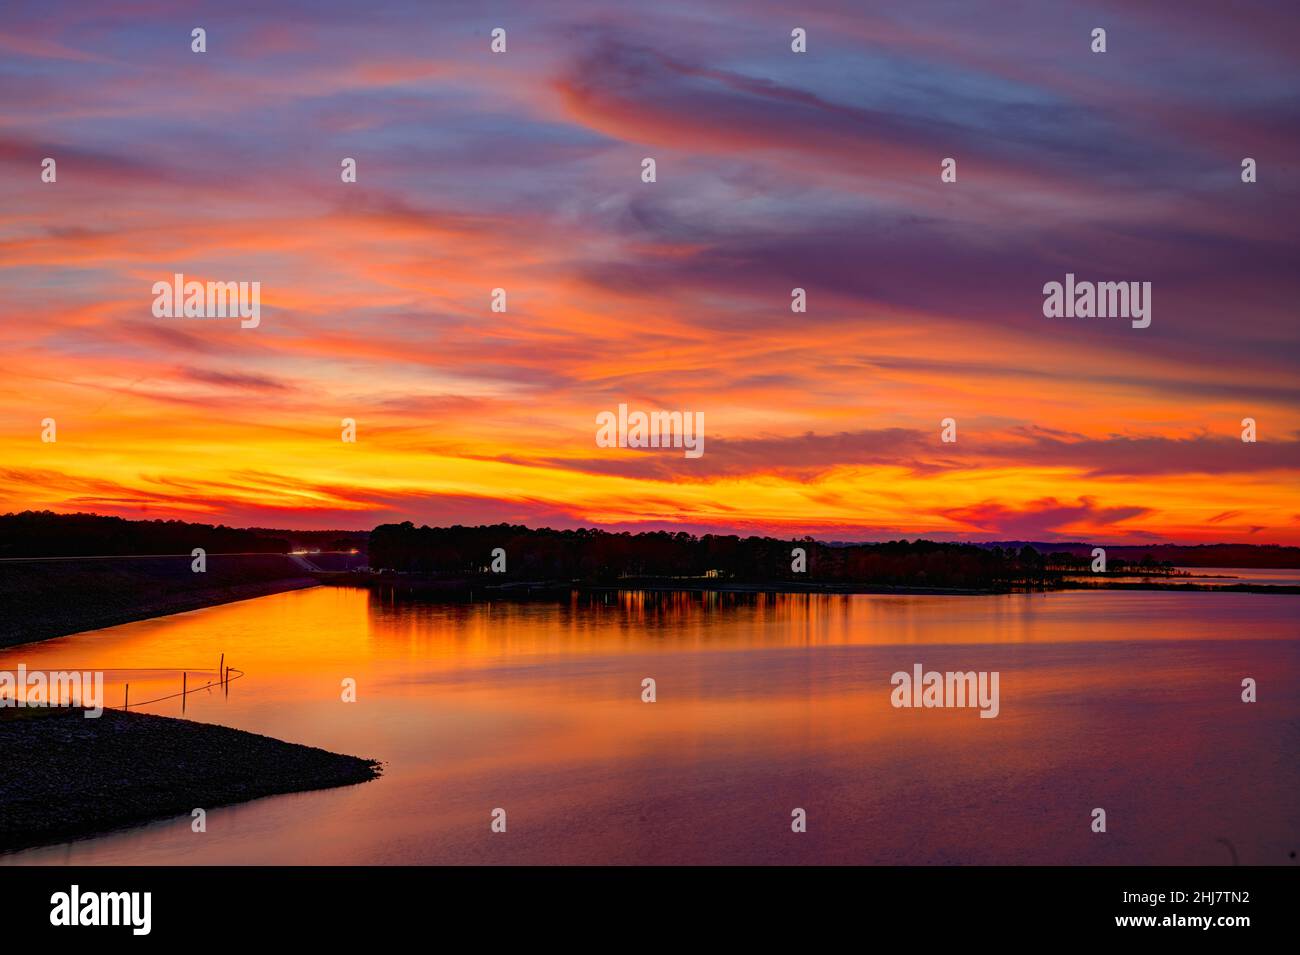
x: 775, y: 171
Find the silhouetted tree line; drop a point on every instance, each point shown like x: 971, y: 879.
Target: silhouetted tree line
x: 596, y: 556
x: 1082, y: 563
x: 1147, y: 556
x: 46, y: 534
x: 1207, y: 555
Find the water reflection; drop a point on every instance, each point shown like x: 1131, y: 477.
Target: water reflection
x: 765, y: 703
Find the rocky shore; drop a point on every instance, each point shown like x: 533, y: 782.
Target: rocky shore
x: 66, y: 776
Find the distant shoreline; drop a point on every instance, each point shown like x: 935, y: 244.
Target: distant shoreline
x: 42, y: 601
x: 82, y: 777
x: 85, y: 619
x: 460, y: 588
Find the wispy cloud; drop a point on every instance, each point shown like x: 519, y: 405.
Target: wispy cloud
x: 775, y: 170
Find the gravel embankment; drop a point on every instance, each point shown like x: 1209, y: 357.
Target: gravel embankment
x: 67, y: 776
x: 43, y: 599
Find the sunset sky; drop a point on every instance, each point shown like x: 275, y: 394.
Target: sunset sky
x: 775, y: 170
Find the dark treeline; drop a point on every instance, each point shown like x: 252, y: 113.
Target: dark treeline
x: 46, y: 534
x: 1070, y: 563
x: 1177, y: 555
x: 1210, y: 555
x: 595, y: 556
x: 324, y: 540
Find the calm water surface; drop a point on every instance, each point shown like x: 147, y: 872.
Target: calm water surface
x: 1126, y: 701
x: 1211, y: 577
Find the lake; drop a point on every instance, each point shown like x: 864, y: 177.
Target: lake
x: 1128, y: 701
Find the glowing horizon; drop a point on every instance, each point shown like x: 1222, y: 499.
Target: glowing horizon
x: 774, y: 171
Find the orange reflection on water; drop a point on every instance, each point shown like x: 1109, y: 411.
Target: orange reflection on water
x: 764, y: 703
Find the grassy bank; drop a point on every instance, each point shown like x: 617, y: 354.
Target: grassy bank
x: 68, y: 776
x: 42, y: 599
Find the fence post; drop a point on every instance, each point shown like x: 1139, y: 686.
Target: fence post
x: 126, y: 698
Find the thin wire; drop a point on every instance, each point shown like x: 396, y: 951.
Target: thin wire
x: 172, y: 696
